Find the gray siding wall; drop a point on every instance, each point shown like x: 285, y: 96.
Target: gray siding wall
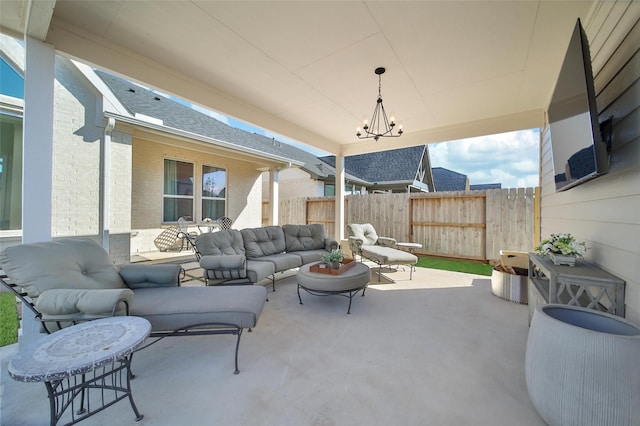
x: 605, y: 212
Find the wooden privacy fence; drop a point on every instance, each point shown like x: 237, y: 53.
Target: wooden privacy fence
x: 466, y: 224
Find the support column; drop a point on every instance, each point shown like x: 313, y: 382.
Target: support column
x: 37, y: 160
x: 274, y: 198
x: 339, y: 208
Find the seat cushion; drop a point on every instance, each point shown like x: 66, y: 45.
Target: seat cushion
x: 389, y: 256
x: 173, y: 308
x: 257, y: 270
x: 309, y: 256
x: 282, y: 261
x: 304, y: 237
x: 265, y: 241
x: 72, y: 263
x: 363, y: 231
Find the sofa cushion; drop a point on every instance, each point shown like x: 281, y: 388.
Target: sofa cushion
x: 78, y: 262
x: 363, y: 231
x: 309, y: 256
x: 71, y: 302
x: 304, y: 237
x: 257, y: 270
x: 187, y: 306
x: 265, y: 241
x: 227, y: 241
x: 282, y: 261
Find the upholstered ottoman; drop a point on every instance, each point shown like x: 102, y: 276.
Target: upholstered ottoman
x: 389, y: 256
x: 346, y: 284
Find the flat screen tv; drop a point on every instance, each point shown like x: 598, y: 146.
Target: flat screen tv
x: 579, y: 154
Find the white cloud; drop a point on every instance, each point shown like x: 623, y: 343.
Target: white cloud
x: 507, y: 158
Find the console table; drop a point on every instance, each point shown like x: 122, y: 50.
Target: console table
x: 582, y: 285
x: 85, y: 368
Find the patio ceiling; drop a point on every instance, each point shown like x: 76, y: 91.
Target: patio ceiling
x: 304, y: 70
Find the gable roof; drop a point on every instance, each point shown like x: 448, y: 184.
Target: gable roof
x: 448, y: 180
x: 140, y: 100
x: 396, y: 165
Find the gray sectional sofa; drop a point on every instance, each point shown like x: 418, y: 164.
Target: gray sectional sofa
x: 253, y: 254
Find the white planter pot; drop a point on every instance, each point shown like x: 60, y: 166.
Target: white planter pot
x: 583, y: 367
x: 562, y: 259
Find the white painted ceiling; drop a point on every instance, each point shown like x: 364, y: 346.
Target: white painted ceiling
x: 304, y: 69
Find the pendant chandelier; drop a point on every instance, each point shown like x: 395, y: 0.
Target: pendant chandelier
x: 380, y: 126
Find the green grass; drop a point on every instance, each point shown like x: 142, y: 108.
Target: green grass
x: 455, y: 265
x: 9, y: 321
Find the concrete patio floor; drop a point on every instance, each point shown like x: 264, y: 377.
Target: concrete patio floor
x: 437, y: 350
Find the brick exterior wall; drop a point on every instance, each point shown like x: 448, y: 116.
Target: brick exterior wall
x: 293, y: 183
x: 244, y: 188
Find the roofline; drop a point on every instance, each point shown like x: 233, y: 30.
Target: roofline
x: 195, y: 136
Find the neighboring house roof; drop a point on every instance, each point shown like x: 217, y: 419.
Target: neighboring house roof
x: 483, y: 186
x: 392, y: 166
x: 448, y: 180
x: 139, y: 100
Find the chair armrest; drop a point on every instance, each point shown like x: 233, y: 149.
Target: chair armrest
x: 330, y: 244
x: 355, y: 244
x: 80, y: 301
x: 387, y: 242
x: 145, y: 276
x: 224, y: 267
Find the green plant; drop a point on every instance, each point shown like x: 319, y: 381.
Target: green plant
x: 9, y: 319
x: 561, y: 244
x: 333, y: 256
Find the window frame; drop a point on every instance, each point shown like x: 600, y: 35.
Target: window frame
x: 166, y: 196
x: 202, y: 191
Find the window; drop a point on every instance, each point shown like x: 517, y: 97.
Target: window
x: 10, y: 172
x: 11, y: 83
x: 214, y: 192
x: 329, y: 189
x: 178, y: 190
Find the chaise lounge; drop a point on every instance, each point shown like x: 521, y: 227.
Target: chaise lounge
x: 364, y: 241
x: 70, y: 280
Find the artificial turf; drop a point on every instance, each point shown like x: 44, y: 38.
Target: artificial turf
x: 455, y: 265
x: 8, y: 319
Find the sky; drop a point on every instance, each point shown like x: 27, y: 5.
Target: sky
x: 511, y: 159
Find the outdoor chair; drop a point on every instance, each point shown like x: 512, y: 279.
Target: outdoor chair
x: 188, y: 237
x: 364, y: 234
x: 364, y: 241
x: 224, y: 223
x: 169, y: 239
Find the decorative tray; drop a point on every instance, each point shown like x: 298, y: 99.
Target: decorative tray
x: 324, y: 268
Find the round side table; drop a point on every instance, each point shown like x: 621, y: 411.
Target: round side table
x: 85, y: 368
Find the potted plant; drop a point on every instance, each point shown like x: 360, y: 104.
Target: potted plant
x: 562, y: 249
x: 334, y: 258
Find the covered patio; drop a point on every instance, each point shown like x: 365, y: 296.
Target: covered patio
x: 439, y: 349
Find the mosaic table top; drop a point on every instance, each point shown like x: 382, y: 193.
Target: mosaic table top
x: 79, y: 349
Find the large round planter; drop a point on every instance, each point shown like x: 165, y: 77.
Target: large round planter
x: 583, y: 367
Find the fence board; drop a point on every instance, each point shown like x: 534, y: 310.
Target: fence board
x: 471, y: 224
